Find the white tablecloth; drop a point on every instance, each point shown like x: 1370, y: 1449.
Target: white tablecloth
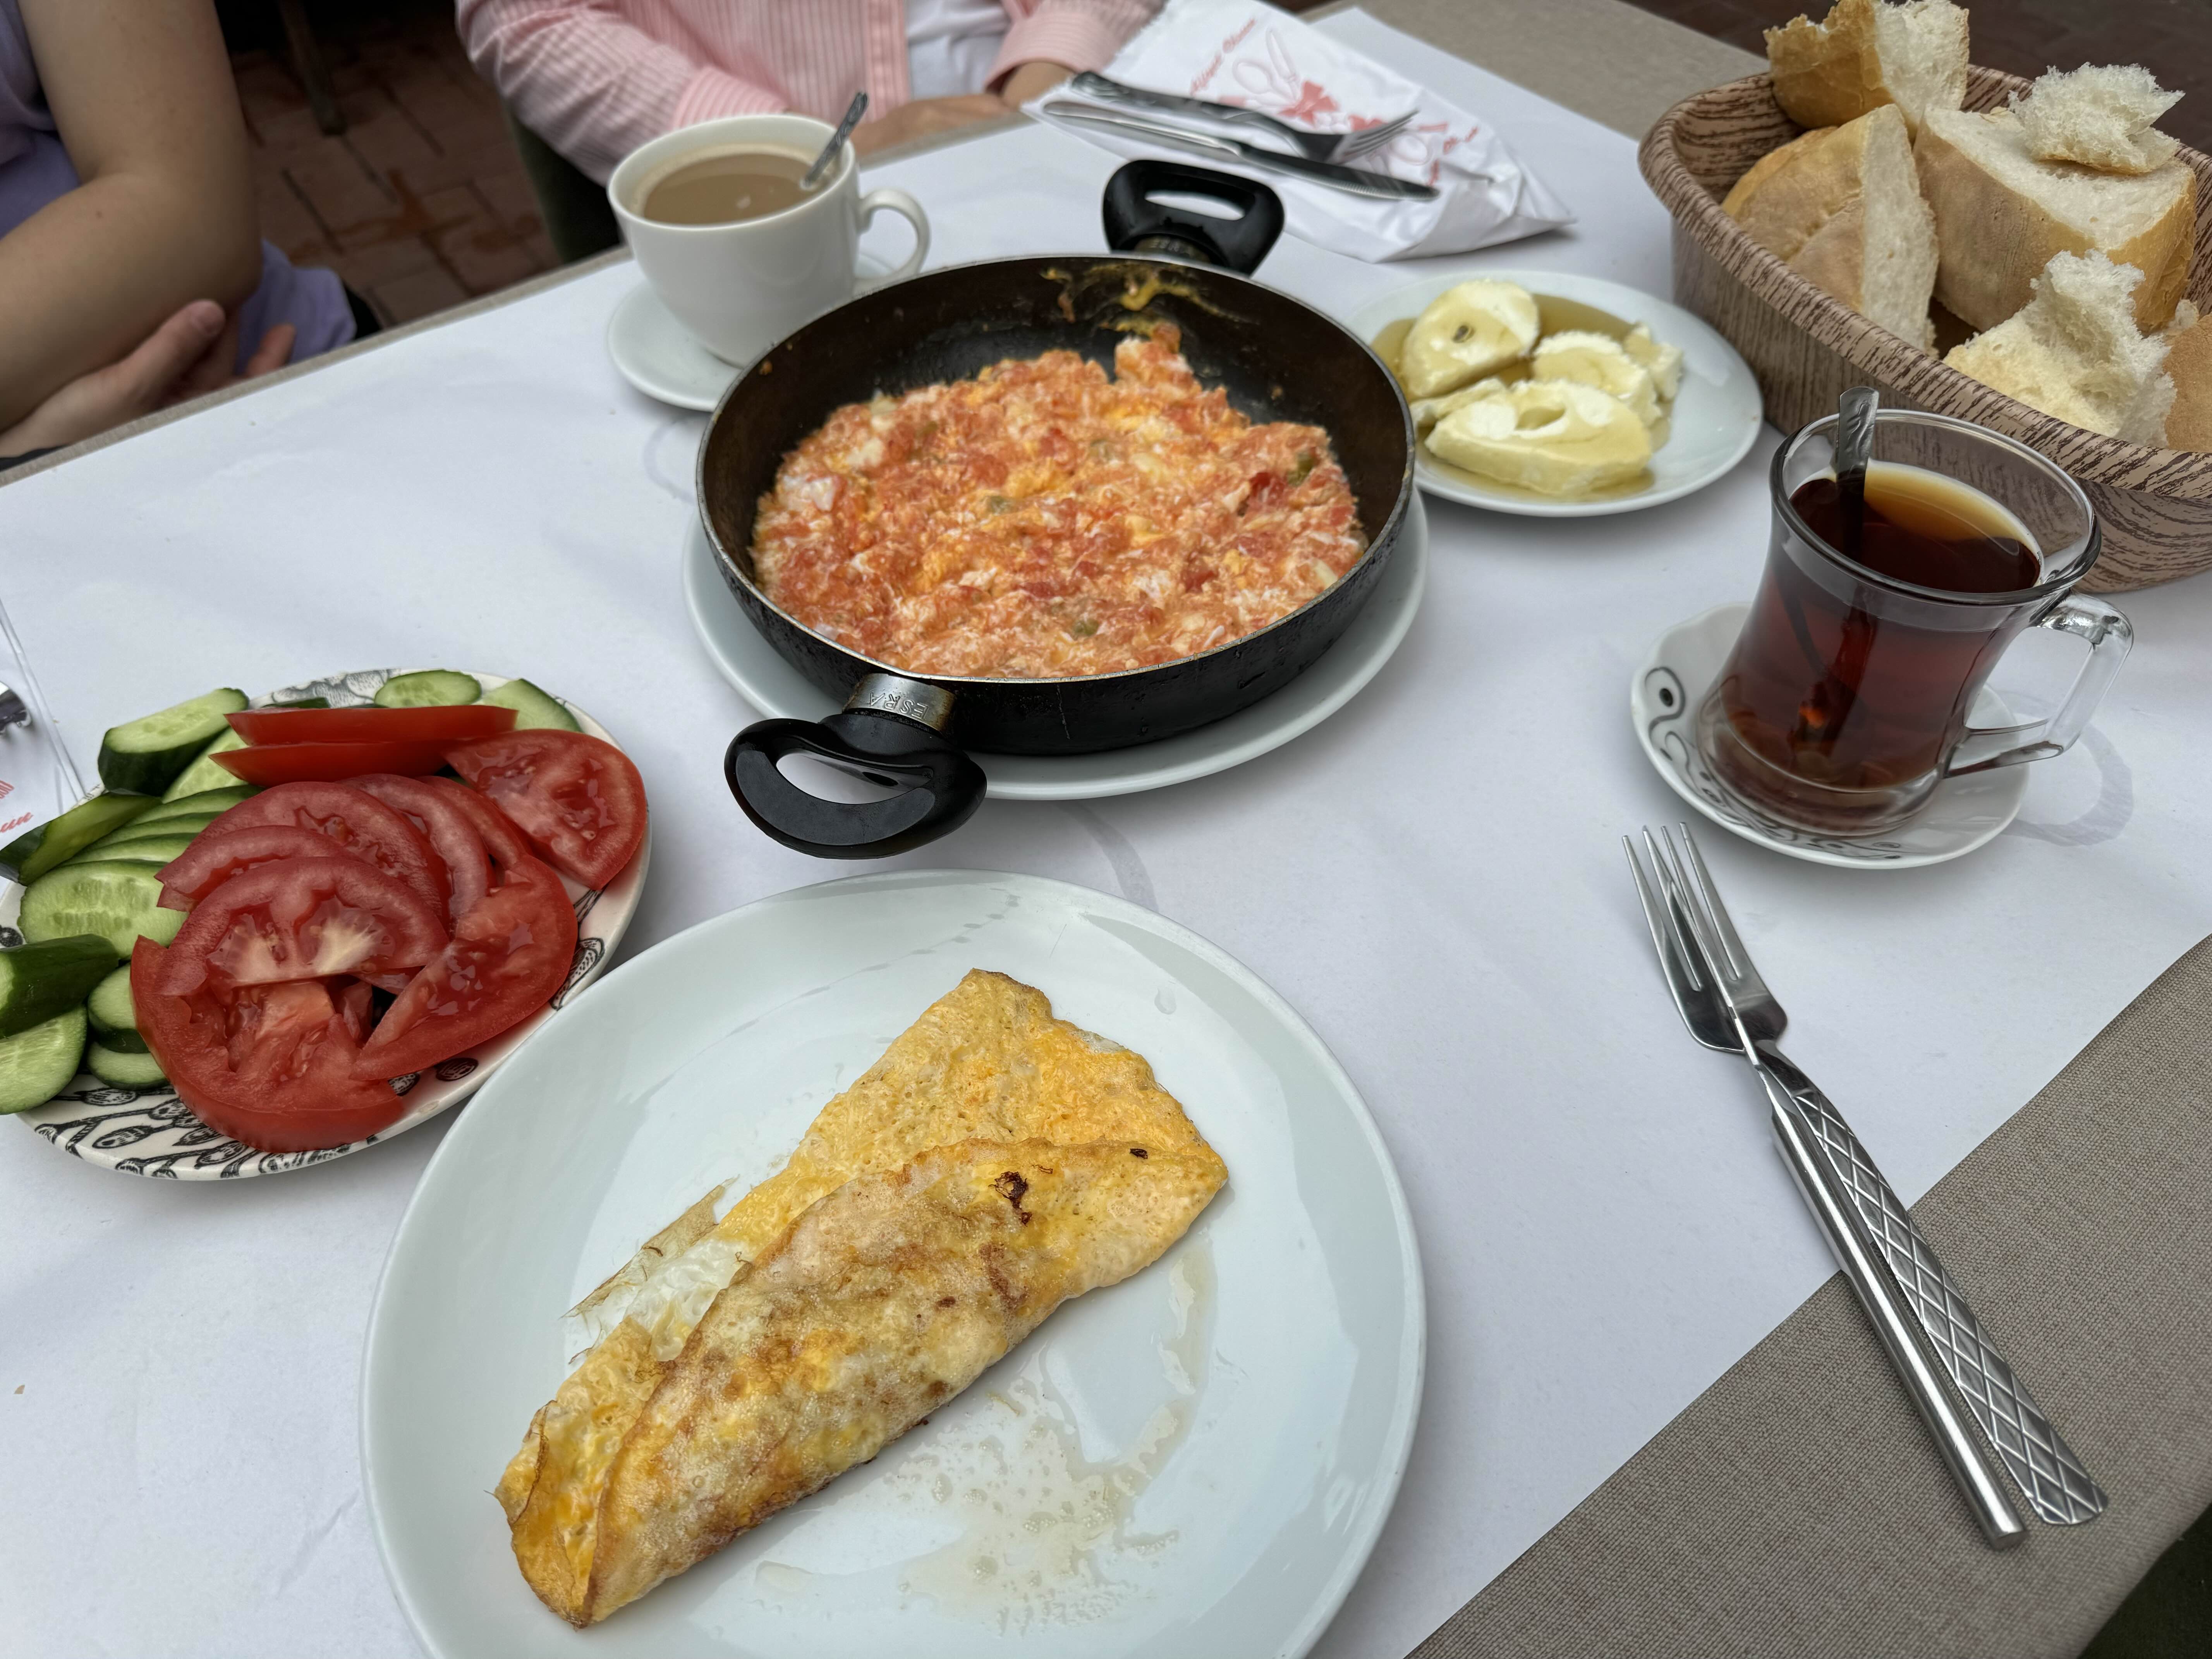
x: 1433, y: 877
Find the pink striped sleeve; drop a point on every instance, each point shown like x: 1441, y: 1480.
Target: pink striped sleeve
x: 1084, y: 34
x: 590, y: 84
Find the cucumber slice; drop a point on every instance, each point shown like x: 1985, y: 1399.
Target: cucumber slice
x: 204, y: 775
x: 120, y: 1069
x: 113, y: 1014
x: 300, y: 703
x: 202, y: 803
x: 144, y: 756
x: 116, y: 900
x: 121, y: 1042
x: 34, y: 852
x: 37, y: 1064
x: 533, y: 709
x: 432, y: 688
x: 156, y: 850
x: 112, y: 847
x: 38, y: 981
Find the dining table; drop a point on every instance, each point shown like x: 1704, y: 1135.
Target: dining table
x: 1652, y: 1421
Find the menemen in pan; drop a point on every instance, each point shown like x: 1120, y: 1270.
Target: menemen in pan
x: 1042, y: 520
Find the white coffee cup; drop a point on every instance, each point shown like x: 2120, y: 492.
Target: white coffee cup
x: 741, y: 287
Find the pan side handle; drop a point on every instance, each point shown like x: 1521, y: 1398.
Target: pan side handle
x: 1136, y: 223
x: 889, y: 733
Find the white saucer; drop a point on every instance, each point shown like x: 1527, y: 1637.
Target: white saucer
x: 772, y: 685
x: 656, y: 355
x: 1713, y: 424
x: 1963, y: 813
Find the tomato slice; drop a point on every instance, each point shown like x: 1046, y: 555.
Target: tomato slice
x: 500, y: 838
x: 358, y: 821
x: 330, y: 762
x: 578, y: 798
x: 303, y: 918
x: 460, y: 724
x: 451, y: 831
x: 271, y: 1065
x: 507, y: 957
x: 214, y: 859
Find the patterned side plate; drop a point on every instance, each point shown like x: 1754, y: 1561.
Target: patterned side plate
x: 1964, y: 812
x: 149, y: 1132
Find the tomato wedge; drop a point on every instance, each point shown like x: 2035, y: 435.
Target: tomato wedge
x: 507, y: 957
x: 330, y: 762
x: 578, y: 798
x: 500, y: 838
x: 360, y: 822
x: 270, y: 1066
x: 302, y: 918
x: 461, y: 723
x: 450, y: 829
x: 213, y: 858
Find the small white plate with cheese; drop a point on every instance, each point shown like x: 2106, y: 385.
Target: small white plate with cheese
x: 1705, y: 427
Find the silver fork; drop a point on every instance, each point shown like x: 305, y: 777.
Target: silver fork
x: 1315, y: 146
x: 1696, y: 999
x: 2056, y: 1484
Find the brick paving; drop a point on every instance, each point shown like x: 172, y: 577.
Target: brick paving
x: 2025, y: 37
x: 422, y: 202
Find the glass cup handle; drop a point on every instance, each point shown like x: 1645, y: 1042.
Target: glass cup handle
x: 2109, y: 636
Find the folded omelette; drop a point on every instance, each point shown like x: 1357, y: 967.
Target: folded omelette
x: 995, y: 1162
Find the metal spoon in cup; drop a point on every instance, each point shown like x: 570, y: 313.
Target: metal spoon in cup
x: 1855, y: 413
x: 853, y: 112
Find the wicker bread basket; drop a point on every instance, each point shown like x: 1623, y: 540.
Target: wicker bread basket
x: 1806, y: 346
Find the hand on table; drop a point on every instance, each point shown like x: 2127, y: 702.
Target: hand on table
x: 190, y: 353
x: 1029, y: 80
x: 925, y: 118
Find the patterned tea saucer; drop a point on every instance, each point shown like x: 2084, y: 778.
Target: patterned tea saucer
x: 1963, y: 813
x: 149, y: 1132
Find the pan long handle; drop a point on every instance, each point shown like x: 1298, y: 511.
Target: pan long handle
x: 888, y: 732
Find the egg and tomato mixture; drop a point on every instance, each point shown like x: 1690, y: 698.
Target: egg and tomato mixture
x: 1042, y: 520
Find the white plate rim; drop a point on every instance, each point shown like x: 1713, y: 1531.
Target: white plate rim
x: 1989, y: 707
x: 1413, y: 1356
x: 1671, y: 322
x: 222, y: 1158
x: 1244, y: 736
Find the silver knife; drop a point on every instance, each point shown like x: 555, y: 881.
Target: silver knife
x: 1358, y: 181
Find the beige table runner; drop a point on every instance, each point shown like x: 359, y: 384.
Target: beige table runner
x: 1798, y: 1507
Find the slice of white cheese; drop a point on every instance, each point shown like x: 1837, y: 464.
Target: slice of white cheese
x: 1475, y: 329
x: 1557, y: 437
x: 1427, y: 412
x: 1664, y: 360
x: 1601, y: 360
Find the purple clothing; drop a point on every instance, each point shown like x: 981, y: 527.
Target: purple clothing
x: 35, y: 169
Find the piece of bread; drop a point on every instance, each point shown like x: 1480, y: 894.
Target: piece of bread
x: 2074, y: 351
x: 1864, y: 55
x: 1842, y: 207
x: 2189, y: 365
x: 2000, y: 214
x: 2099, y: 115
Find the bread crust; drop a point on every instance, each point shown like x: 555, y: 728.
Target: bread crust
x: 2189, y: 422
x: 1993, y: 240
x: 1826, y: 74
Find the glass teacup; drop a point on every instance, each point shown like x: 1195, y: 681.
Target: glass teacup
x: 1844, y: 701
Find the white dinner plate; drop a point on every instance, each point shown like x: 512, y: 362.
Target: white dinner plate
x: 746, y: 659
x: 1192, y: 1464
x: 1962, y: 814
x: 149, y: 1132
x: 1712, y: 425
x: 658, y: 355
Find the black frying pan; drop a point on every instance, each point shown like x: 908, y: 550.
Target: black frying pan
x: 1278, y: 358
